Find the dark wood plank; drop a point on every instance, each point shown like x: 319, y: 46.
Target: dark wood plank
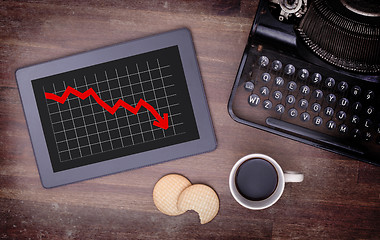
x: 339, y: 198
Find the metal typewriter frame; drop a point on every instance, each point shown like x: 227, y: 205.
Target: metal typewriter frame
x: 284, y: 37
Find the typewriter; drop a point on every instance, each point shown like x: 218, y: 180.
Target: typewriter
x: 311, y: 72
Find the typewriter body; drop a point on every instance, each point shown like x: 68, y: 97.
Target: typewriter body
x: 311, y: 72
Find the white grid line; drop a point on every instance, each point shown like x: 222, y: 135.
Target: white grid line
x: 72, y: 119
x: 113, y: 103
x: 135, y: 134
x: 63, y: 126
x: 125, y: 110
x: 105, y: 121
x: 134, y: 100
x: 181, y: 133
x: 154, y: 93
x: 167, y: 101
x: 146, y: 110
x: 103, y: 110
x: 81, y: 110
x: 62, y: 91
x: 55, y: 139
x: 92, y: 109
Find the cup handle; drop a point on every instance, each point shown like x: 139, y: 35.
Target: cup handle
x: 291, y: 176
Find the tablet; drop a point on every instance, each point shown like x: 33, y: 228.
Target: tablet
x: 116, y: 108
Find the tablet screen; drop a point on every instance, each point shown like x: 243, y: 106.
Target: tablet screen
x: 114, y: 109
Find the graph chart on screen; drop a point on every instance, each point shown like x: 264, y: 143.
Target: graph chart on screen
x: 115, y: 109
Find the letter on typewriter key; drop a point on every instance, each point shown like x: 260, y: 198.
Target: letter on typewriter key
x: 356, y: 90
x: 343, y: 102
x: 253, y: 100
x: 318, y: 94
x: 280, y: 108
x: 303, y: 103
x: 303, y: 74
x: 370, y: 110
x: 267, y: 104
x: 305, y: 90
x: 249, y: 86
x: 293, y: 112
x: 264, y: 91
x: 368, y: 123
x: 367, y: 136
x: 263, y: 61
x: 318, y: 121
x: 316, y: 78
x: 305, y: 116
x: 330, y: 82
x: 289, y: 69
x: 290, y: 99
x: 276, y: 65
x: 279, y: 81
x: 343, y: 128
x: 316, y: 107
x: 357, y: 106
x: 292, y: 86
x: 356, y: 133
x: 277, y: 95
x: 331, y: 124
x: 370, y: 95
x: 355, y: 119
x: 331, y: 98
x: 342, y: 86
x: 265, y: 77
x: 329, y: 111
x: 341, y: 115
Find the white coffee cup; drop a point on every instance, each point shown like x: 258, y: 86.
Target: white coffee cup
x: 282, y: 177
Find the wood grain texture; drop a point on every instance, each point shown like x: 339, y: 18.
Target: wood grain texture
x: 339, y: 198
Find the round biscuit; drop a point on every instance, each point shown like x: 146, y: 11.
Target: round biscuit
x: 202, y: 199
x: 166, y: 193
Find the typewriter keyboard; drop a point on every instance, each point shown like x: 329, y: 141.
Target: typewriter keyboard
x: 312, y: 104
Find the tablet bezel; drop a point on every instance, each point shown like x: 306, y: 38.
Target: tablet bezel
x: 181, y: 38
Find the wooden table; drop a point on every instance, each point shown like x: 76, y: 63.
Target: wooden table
x: 338, y: 199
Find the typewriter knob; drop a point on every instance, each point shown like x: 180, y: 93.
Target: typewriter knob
x: 290, y: 8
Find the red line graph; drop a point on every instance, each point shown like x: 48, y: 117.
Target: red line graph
x: 161, y: 122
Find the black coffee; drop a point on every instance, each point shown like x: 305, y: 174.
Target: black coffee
x: 256, y: 179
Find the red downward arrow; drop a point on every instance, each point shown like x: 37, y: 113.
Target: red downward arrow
x: 161, y: 122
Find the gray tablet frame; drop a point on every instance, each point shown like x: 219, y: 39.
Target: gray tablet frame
x: 180, y: 37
